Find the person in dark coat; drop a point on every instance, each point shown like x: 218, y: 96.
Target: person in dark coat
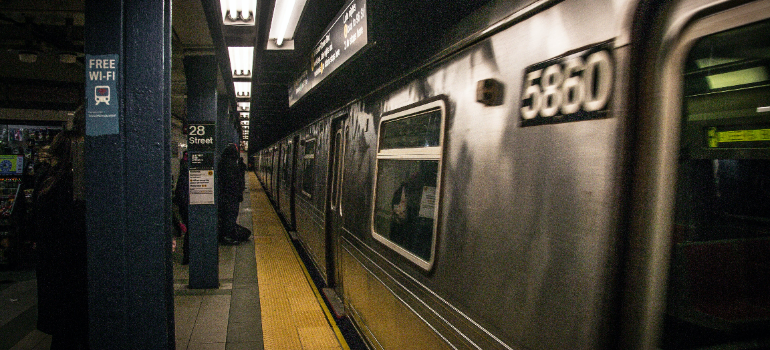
x: 231, y: 186
x: 182, y: 200
x: 59, y: 221
x: 242, y: 178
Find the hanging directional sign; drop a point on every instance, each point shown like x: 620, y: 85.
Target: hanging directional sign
x: 343, y: 38
x: 103, y: 101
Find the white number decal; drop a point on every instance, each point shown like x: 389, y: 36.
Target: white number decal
x: 600, y: 62
x: 567, y: 87
x: 574, y: 87
x: 552, y: 96
x: 532, y: 91
x: 197, y: 130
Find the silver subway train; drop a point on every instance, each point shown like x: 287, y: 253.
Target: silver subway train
x: 576, y: 174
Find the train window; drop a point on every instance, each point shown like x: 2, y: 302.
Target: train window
x: 719, y: 280
x: 308, y: 165
x: 286, y: 150
x: 408, y: 172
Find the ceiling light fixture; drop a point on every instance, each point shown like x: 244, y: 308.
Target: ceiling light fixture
x: 285, y: 17
x: 68, y: 58
x: 239, y: 12
x: 28, y: 56
x: 288, y: 8
x: 241, y: 60
x: 242, y: 89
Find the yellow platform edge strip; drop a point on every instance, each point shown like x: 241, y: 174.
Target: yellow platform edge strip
x: 319, y: 298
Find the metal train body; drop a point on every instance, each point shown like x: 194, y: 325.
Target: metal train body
x: 553, y: 221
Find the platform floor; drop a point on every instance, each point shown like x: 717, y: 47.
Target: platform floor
x: 266, y: 299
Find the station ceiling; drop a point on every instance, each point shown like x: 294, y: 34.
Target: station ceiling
x: 53, y: 84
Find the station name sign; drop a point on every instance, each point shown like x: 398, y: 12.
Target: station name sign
x: 342, y: 39
x: 200, y: 137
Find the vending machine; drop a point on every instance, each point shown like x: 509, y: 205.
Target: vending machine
x: 11, y: 170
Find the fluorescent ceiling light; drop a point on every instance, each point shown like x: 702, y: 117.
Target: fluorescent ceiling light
x: 285, y: 17
x: 241, y: 61
x: 238, y: 12
x: 28, y: 56
x: 242, y: 89
x: 244, y: 106
x: 68, y: 58
x: 244, y: 115
x: 739, y: 77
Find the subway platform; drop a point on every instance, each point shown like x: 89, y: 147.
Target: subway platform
x: 267, y: 298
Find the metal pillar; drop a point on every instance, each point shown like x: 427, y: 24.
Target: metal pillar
x: 201, y: 73
x: 128, y: 175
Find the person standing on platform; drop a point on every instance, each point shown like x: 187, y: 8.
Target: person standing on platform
x: 243, y: 233
x: 231, y: 186
x: 59, y: 221
x: 182, y: 201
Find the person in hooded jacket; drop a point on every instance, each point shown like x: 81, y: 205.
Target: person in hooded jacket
x: 231, y: 187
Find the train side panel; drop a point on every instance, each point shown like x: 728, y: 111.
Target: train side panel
x: 526, y: 237
x: 312, y: 158
x: 286, y: 181
x: 533, y: 190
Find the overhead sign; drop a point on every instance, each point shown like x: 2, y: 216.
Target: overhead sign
x: 103, y: 108
x: 342, y: 39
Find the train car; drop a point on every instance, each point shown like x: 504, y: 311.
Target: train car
x: 576, y: 174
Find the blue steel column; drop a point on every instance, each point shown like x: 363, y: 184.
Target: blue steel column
x: 224, y: 127
x: 129, y: 256
x: 201, y: 74
x: 167, y: 35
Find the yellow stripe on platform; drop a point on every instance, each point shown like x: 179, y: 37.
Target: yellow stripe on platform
x: 294, y: 315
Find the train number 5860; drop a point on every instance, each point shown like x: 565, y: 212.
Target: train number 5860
x: 570, y: 88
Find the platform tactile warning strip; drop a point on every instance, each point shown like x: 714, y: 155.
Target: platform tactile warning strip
x: 292, y: 315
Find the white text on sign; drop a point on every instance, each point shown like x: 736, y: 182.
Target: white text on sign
x: 98, y: 63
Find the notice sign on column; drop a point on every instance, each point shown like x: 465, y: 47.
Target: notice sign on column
x: 103, y: 102
x: 201, y: 149
x: 201, y: 186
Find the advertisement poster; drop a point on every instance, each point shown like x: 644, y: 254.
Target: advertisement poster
x: 11, y: 164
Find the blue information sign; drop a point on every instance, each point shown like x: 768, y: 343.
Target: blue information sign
x: 103, y: 102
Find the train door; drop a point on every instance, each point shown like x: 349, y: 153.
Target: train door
x: 279, y: 164
x: 701, y: 219
x: 334, y: 216
x: 293, y: 153
x: 276, y: 172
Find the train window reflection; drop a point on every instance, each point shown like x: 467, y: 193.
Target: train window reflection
x: 405, y: 210
x: 406, y: 216
x: 719, y: 280
x: 308, y: 165
x: 420, y: 130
